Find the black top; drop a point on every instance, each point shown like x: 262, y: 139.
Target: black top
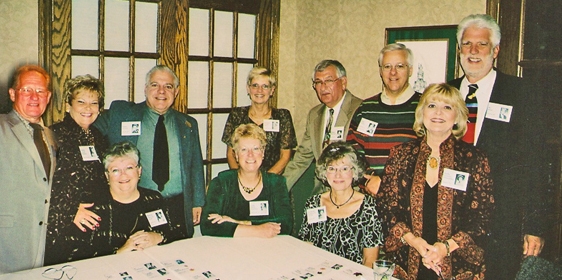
x: 429, y: 232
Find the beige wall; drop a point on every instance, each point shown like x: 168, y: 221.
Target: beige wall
x: 351, y: 31
x: 18, y: 42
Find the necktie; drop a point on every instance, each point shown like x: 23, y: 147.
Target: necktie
x: 328, y: 130
x: 472, y: 105
x: 41, y: 147
x: 160, y: 160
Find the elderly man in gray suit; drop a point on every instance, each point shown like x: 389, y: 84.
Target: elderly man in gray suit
x: 326, y: 122
x: 27, y: 163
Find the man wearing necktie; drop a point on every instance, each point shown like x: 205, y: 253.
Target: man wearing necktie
x: 27, y: 155
x: 508, y: 129
x: 168, y: 141
x: 326, y: 122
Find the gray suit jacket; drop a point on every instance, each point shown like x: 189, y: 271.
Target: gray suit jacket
x: 25, y: 195
x: 310, y: 146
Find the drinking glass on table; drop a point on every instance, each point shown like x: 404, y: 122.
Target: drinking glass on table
x: 383, y: 269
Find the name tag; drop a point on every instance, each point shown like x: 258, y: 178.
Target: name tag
x: 156, y: 218
x: 130, y: 128
x: 259, y: 208
x: 367, y: 127
x: 89, y: 153
x: 336, y: 134
x: 499, y: 112
x: 454, y: 179
x: 271, y: 125
x: 316, y: 215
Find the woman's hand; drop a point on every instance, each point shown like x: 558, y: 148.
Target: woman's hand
x: 268, y: 230
x: 434, y: 259
x: 86, y: 218
x: 219, y: 219
x: 372, y: 184
x: 141, y: 240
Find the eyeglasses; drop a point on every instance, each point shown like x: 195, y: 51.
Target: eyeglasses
x: 328, y: 83
x: 263, y: 87
x: 398, y: 67
x: 117, y: 171
x: 254, y: 150
x: 27, y: 91
x: 167, y: 87
x: 57, y: 274
x: 344, y: 169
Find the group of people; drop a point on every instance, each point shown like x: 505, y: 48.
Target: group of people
x: 425, y: 179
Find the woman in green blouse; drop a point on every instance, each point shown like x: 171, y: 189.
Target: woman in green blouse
x: 247, y: 202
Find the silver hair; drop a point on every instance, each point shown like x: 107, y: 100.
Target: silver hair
x: 397, y: 47
x: 480, y: 21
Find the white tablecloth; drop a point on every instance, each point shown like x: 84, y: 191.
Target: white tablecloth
x: 281, y: 257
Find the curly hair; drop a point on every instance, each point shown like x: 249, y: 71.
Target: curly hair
x: 337, y: 151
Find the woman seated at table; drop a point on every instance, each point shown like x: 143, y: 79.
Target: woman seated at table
x: 248, y: 201
x: 133, y: 218
x: 277, y: 123
x: 342, y: 220
x: 436, y: 194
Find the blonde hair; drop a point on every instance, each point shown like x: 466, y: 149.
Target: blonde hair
x: 445, y: 93
x: 261, y: 71
x: 86, y: 82
x: 249, y: 130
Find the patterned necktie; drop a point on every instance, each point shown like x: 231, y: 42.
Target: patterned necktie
x: 328, y: 130
x: 472, y: 105
x: 160, y: 159
x: 41, y: 147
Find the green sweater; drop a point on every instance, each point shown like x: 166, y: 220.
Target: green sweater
x: 224, y: 198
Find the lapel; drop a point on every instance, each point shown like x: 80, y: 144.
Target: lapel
x: 26, y: 140
x: 345, y: 110
x: 317, y: 131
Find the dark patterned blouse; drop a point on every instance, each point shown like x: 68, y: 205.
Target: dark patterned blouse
x: 461, y: 215
x: 276, y: 141
x: 74, y: 181
x: 346, y: 237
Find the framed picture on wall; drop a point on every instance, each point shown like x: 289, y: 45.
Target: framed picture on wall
x: 435, y: 52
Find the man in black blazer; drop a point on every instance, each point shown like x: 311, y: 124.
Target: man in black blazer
x: 508, y: 129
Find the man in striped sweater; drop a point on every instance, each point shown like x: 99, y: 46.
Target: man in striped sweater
x: 385, y: 119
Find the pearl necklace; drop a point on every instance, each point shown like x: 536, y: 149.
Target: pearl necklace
x: 338, y: 206
x: 249, y: 190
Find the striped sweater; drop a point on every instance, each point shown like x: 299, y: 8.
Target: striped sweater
x: 394, y: 127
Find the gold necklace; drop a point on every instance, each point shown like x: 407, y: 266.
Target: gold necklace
x: 338, y: 206
x: 433, y: 162
x: 249, y: 190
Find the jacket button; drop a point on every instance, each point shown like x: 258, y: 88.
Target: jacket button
x: 41, y: 223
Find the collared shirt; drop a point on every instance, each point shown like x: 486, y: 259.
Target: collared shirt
x: 337, y: 110
x: 27, y: 125
x: 401, y: 99
x: 483, y: 94
x: 145, y: 145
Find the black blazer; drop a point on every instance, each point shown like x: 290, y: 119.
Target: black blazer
x: 518, y: 166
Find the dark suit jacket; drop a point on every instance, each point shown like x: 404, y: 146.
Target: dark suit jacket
x: 310, y: 146
x: 26, y: 190
x: 193, y: 184
x: 514, y: 151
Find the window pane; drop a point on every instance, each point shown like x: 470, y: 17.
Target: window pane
x: 142, y: 66
x: 198, y: 32
x: 202, y: 123
x: 222, y: 85
x: 84, y: 25
x: 197, y: 84
x: 243, y: 71
x: 223, y: 34
x: 117, y: 25
x: 246, y: 35
x: 82, y: 65
x: 218, y: 168
x: 116, y: 79
x: 146, y: 27
x: 219, y: 148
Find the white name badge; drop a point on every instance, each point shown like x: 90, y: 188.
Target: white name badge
x: 454, y: 179
x: 499, y: 112
x: 259, y: 208
x: 130, y: 128
x: 316, y: 215
x: 271, y: 125
x: 156, y: 218
x: 367, y: 127
x: 89, y: 153
x: 337, y: 133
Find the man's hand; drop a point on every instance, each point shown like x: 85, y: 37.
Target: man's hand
x: 196, y: 215
x: 532, y: 245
